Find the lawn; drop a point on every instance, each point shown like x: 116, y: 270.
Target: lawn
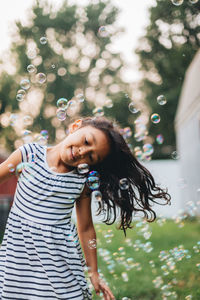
x: 145, y: 266
x: 155, y: 261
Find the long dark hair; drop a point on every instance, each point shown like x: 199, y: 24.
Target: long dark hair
x: 121, y: 163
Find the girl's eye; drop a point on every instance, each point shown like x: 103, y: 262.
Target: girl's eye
x: 86, y: 142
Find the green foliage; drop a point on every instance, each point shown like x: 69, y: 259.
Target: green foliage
x: 167, y: 48
x: 75, y: 59
x: 184, y: 278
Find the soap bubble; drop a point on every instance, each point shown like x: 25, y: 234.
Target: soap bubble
x: 161, y: 221
x: 125, y: 276
x: 198, y: 266
x: 72, y: 106
x: 182, y: 183
x: 147, y: 247
x: 83, y: 169
x: 31, y: 158
x: 32, y: 53
x: 21, y: 167
x: 80, y: 97
x: 161, y: 100
x: 108, y: 103
x: 158, y: 281
x: 41, y: 78
x: 147, y: 235
x: 20, y: 95
x: 25, y: 84
x: 193, y: 1
x: 92, y: 244
x: 175, y: 155
x: 132, y: 108
x: 43, y: 40
x: 61, y: 114
x: 27, y: 120
x: 97, y: 196
x: 13, y: 119
x: 62, y: 103
x: 98, y: 111
x: 152, y: 264
x: 127, y: 132
x: 148, y: 149
x: 93, y: 173
x: 93, y: 182
x: 155, y: 118
x: 44, y: 133
x: 123, y: 184
x: 31, y: 69
x: 159, y: 139
x: 11, y: 168
x: 103, y: 32
x: 188, y: 297
x: 177, y: 2
x: 40, y: 139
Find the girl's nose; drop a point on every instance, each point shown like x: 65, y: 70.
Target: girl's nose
x: 83, y: 151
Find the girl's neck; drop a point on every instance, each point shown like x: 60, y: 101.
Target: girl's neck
x: 54, y: 161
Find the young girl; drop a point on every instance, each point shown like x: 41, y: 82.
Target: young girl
x: 40, y: 257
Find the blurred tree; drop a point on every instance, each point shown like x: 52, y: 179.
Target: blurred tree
x: 165, y: 51
x: 68, y: 53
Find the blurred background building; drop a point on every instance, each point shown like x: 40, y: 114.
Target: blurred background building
x: 7, y: 190
x: 187, y: 124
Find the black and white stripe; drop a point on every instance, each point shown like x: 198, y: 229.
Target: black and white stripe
x: 40, y: 257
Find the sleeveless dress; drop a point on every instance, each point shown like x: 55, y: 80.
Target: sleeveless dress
x: 40, y: 256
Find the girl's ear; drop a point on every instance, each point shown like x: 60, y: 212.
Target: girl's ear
x: 74, y: 126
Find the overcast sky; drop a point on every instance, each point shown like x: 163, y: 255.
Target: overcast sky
x: 133, y: 18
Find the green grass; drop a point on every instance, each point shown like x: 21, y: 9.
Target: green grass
x: 184, y: 278
x: 112, y: 261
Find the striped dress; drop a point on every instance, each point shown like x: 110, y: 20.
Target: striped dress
x: 40, y: 256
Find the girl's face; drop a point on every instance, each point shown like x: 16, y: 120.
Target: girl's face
x: 84, y: 145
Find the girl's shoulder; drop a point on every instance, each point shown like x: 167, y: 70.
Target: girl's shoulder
x: 30, y: 151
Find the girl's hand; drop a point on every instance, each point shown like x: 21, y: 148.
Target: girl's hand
x: 99, y: 285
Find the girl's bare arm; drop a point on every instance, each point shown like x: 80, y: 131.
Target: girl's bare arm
x: 86, y: 230
x: 87, y: 236
x: 13, y: 160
